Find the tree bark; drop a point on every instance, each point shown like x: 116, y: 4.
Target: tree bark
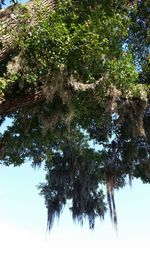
x: 8, y: 106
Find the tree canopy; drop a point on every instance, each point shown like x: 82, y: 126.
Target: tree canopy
x: 74, y: 74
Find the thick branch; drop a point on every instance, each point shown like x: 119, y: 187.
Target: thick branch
x: 8, y: 106
x: 79, y: 86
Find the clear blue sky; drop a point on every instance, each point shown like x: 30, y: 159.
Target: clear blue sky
x: 23, y: 227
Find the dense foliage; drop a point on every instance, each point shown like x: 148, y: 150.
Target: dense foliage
x: 86, y: 59
x: 88, y: 40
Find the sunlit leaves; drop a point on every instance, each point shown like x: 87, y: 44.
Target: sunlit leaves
x: 75, y: 38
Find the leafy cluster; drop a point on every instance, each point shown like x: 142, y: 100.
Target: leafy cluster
x: 77, y: 38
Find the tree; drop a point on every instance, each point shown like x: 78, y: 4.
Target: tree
x: 48, y: 45
x: 67, y: 79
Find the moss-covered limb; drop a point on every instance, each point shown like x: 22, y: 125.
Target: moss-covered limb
x: 9, y: 106
x: 57, y: 84
x: 79, y: 86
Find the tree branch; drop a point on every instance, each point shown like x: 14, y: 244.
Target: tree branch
x: 8, y: 106
x: 79, y: 86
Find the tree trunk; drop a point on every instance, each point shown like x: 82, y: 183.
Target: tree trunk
x: 9, y: 23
